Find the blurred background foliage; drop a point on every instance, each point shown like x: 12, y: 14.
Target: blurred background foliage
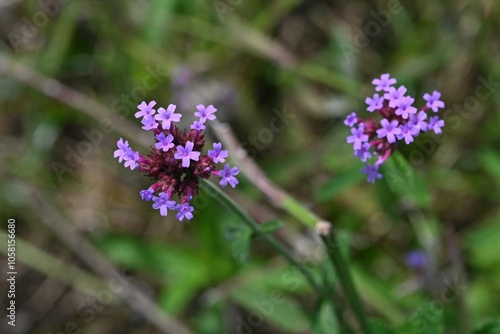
x: 311, y: 60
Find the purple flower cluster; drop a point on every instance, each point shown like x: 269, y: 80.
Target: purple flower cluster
x: 176, y: 162
x: 401, y: 121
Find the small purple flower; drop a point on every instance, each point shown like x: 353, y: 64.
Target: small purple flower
x: 357, y: 137
x: 147, y: 195
x: 121, y: 152
x: 417, y: 121
x: 407, y: 133
x: 218, y: 154
x: 205, y: 113
x: 186, y: 154
x: 405, y: 108
x: 416, y: 259
x: 371, y: 172
x: 435, y: 124
x: 198, y: 126
x: 146, y: 110
x: 131, y: 159
x: 164, y: 142
x: 364, y: 152
x: 351, y: 119
x: 393, y: 95
x: 227, y: 176
x: 433, y: 101
x: 149, y: 123
x: 374, y: 103
x: 163, y: 203
x: 167, y: 117
x: 384, y: 83
x: 389, y: 130
x: 184, y: 211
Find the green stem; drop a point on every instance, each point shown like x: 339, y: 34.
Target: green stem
x: 335, y: 302
x: 296, y: 209
x: 345, y: 278
x: 245, y: 217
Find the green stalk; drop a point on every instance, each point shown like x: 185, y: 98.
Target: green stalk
x: 345, y: 278
x: 224, y: 199
x: 296, y: 209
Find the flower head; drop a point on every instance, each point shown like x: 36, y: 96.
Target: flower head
x: 358, y: 137
x: 435, y: 124
x: 164, y: 143
x: 389, y: 130
x: 121, y: 152
x: 374, y: 103
x: 433, y: 101
x: 176, y: 163
x: 393, y: 95
x: 163, y: 203
x: 149, y: 123
x: 145, y: 109
x: 407, y: 133
x: 167, y: 117
x: 198, y: 126
x: 186, y: 154
x: 351, y: 119
x: 405, y: 108
x: 218, y: 154
x: 416, y: 259
x: 147, y: 195
x: 205, y: 113
x: 384, y: 83
x: 184, y: 211
x: 400, y: 121
x: 364, y: 152
x: 371, y: 172
x: 227, y: 176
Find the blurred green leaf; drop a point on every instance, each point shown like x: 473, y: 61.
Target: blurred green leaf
x: 483, y: 243
x: 379, y: 327
x: 426, y: 320
x: 378, y: 295
x: 490, y: 160
x: 273, y: 307
x: 326, y: 322
x: 492, y: 327
x: 337, y: 184
x: 239, y: 237
x: 270, y: 226
x: 402, y: 178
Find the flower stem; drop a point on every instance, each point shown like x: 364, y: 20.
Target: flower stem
x: 250, y: 222
x: 342, y: 269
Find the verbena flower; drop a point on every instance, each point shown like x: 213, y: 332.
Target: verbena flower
x: 400, y: 121
x: 176, y: 162
x: 416, y: 259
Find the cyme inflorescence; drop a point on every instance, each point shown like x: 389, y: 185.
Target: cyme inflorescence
x: 176, y: 162
x: 401, y: 121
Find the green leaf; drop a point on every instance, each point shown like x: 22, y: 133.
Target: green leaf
x: 403, y: 180
x: 492, y: 327
x: 326, y: 322
x: 273, y: 307
x: 338, y: 184
x: 270, y: 226
x: 378, y: 295
x: 483, y: 243
x: 426, y: 320
x: 239, y: 238
x: 490, y: 160
x: 379, y: 327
